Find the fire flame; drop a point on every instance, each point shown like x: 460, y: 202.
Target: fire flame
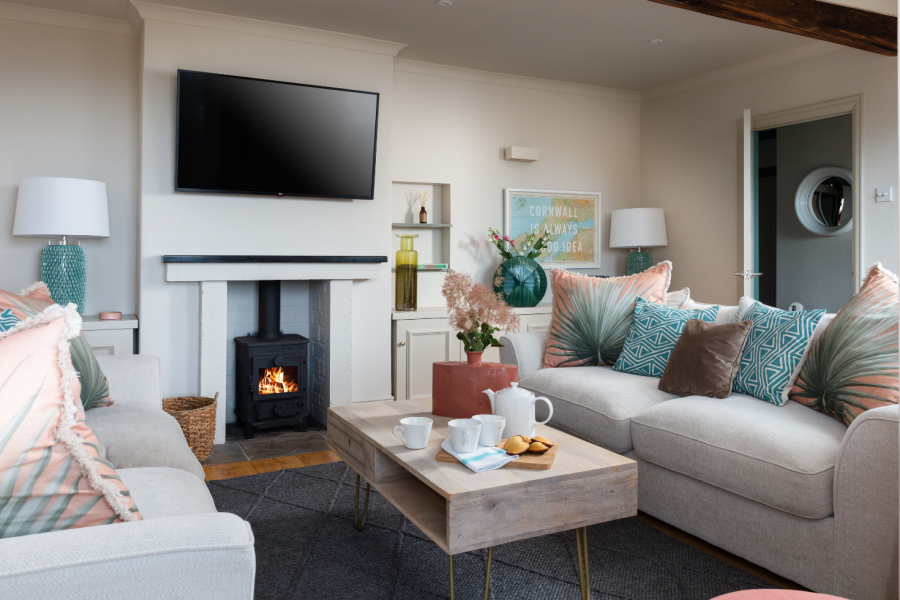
x: 272, y: 381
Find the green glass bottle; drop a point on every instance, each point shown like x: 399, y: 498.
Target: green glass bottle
x: 407, y: 273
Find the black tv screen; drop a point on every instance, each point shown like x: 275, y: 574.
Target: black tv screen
x: 238, y: 135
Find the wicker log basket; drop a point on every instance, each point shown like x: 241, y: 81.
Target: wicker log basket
x: 197, y: 417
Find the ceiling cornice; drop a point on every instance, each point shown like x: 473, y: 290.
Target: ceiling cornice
x: 549, y: 85
x: 60, y: 18
x: 741, y: 69
x: 140, y: 11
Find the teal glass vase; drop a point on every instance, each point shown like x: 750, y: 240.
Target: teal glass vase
x: 524, y: 282
x: 62, y: 269
x: 637, y: 262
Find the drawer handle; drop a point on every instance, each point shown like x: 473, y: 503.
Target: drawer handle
x: 402, y: 343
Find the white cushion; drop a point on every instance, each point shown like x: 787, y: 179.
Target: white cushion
x: 139, y: 436
x: 595, y: 403
x: 166, y: 492
x: 781, y: 456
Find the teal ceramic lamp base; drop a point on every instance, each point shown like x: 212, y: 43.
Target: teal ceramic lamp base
x: 62, y: 269
x: 637, y: 262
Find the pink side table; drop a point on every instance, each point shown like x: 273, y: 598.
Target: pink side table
x: 775, y: 595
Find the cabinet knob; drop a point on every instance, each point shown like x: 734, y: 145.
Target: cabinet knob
x: 402, y: 343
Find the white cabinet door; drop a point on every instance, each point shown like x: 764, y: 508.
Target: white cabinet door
x: 417, y: 345
x: 111, y: 342
x: 539, y: 322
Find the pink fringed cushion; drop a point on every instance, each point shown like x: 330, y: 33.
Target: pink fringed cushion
x: 591, y: 315
x: 51, y: 473
x: 34, y: 299
x: 853, y: 366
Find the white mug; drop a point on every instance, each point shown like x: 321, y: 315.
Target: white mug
x: 491, y: 429
x: 464, y: 434
x: 416, y: 431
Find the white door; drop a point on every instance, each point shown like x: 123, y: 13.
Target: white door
x: 749, y: 272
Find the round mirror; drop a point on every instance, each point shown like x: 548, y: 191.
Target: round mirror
x: 824, y: 201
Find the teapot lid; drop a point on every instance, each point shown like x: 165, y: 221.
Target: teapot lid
x: 515, y: 391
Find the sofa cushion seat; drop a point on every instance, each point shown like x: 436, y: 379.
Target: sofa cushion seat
x: 595, y: 403
x: 139, y: 436
x: 160, y: 492
x: 781, y: 456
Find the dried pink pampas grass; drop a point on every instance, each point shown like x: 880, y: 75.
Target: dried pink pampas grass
x: 476, y: 312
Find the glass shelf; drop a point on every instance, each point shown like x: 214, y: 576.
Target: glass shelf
x: 420, y: 225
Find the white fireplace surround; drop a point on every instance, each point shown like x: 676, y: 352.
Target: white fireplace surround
x: 334, y: 312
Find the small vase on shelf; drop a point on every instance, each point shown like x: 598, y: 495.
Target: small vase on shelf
x: 423, y: 216
x: 407, y: 274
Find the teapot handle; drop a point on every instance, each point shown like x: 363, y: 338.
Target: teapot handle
x: 550, y: 406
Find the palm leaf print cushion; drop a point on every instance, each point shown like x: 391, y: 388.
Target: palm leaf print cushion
x: 51, y: 474
x: 592, y: 315
x: 853, y: 366
x: 31, y: 301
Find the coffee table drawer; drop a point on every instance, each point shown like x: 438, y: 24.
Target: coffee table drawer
x: 348, y: 444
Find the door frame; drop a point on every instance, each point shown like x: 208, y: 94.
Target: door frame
x: 851, y: 105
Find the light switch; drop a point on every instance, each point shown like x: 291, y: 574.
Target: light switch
x: 884, y: 194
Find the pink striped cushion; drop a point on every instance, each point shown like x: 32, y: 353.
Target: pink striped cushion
x: 51, y: 473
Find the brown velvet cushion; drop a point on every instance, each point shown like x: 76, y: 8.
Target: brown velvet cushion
x: 705, y: 360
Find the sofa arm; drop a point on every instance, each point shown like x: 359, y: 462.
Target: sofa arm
x: 525, y: 350
x: 206, y: 555
x: 133, y: 380
x: 866, y: 507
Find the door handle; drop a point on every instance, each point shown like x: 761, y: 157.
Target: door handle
x: 748, y: 274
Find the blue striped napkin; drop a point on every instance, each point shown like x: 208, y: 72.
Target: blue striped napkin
x: 485, y: 458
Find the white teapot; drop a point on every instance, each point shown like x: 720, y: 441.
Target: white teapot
x: 517, y: 406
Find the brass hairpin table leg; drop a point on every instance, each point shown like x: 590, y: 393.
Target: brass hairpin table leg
x: 356, y: 523
x: 487, y: 577
x: 584, y: 575
x: 452, y: 596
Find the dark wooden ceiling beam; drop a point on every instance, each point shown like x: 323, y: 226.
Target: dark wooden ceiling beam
x: 843, y: 25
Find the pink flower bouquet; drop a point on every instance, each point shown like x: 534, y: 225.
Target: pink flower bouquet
x: 476, y: 312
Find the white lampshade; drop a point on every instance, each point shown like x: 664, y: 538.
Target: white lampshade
x: 638, y: 228
x: 57, y: 206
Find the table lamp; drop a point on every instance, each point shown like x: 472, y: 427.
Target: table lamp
x: 51, y: 207
x: 638, y: 228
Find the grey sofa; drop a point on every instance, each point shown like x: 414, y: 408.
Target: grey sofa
x: 182, y: 549
x: 787, y: 488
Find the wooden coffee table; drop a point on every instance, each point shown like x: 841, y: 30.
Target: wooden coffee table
x: 460, y: 510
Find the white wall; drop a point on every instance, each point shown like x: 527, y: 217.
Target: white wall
x: 212, y: 224
x: 690, y: 153
x: 69, y: 108
x: 451, y: 125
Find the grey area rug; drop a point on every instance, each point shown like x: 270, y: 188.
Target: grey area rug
x: 307, y: 547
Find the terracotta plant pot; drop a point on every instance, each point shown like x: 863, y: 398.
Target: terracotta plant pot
x: 458, y: 387
x: 474, y: 358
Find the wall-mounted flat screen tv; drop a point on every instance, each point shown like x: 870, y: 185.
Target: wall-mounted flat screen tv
x: 238, y: 135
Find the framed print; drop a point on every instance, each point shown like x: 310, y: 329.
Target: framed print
x: 570, y: 221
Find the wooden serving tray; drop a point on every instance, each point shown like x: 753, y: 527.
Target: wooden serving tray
x: 540, y: 462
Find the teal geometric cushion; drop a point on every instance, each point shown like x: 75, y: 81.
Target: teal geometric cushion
x: 654, y: 330
x: 7, y: 320
x: 773, y: 350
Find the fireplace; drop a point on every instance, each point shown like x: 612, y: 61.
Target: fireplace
x: 271, y: 371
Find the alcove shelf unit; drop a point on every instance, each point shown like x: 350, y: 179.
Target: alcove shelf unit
x: 433, y: 243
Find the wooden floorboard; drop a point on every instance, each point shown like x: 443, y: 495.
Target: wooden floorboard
x: 266, y: 465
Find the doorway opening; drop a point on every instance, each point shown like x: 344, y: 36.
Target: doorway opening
x: 804, y: 214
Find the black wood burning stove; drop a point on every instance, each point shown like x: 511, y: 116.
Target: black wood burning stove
x: 271, y: 371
